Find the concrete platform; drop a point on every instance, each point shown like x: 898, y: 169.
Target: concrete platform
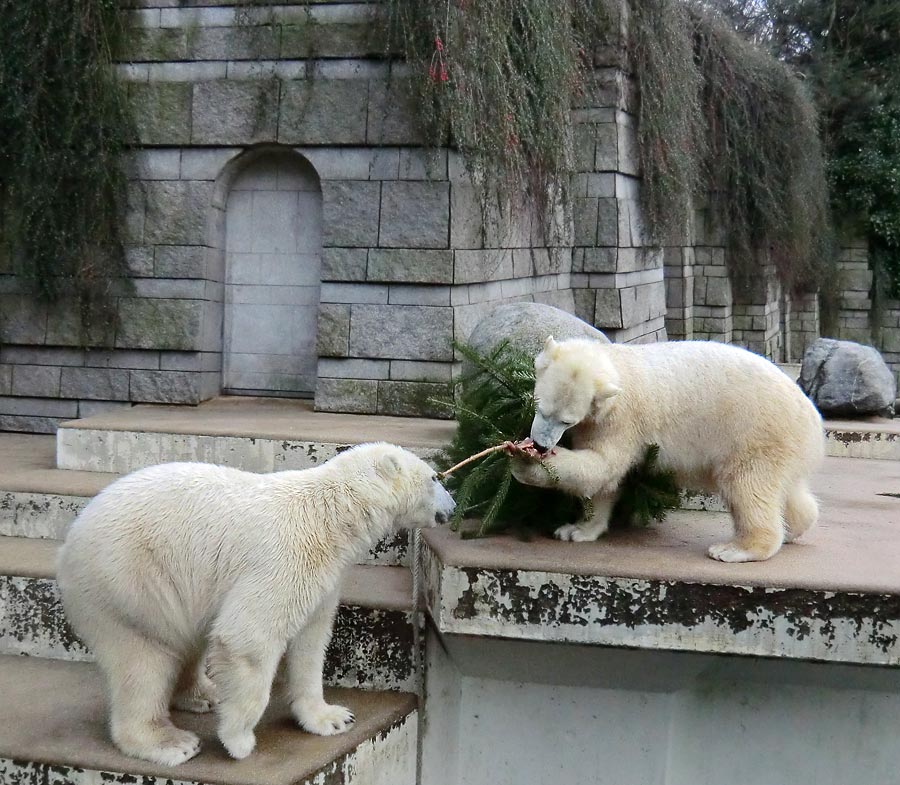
x: 256, y: 434
x: 371, y: 646
x: 834, y: 597
x: 53, y: 729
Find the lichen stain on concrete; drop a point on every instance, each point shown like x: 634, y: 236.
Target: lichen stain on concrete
x: 550, y: 600
x: 371, y: 649
x: 32, y: 616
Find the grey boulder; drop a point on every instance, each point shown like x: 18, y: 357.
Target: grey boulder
x: 846, y: 378
x: 526, y: 326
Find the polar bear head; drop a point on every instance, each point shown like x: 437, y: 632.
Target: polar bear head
x: 574, y: 380
x: 409, y: 486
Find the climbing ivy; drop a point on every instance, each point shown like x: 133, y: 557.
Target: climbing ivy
x: 64, y: 124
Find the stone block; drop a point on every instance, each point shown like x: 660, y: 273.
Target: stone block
x: 155, y: 44
x: 344, y: 39
x: 415, y: 215
x: 41, y: 355
x: 599, y: 260
x: 353, y: 293
x: 38, y: 381
x: 22, y: 319
x: 165, y: 387
x: 413, y: 294
x: 139, y: 260
x: 413, y: 371
x: 182, y: 361
x: 162, y: 112
x: 392, y: 116
x: 718, y: 291
x: 585, y: 140
x: 121, y: 358
x: 65, y: 328
x: 38, y: 407
x: 403, y: 332
x: 606, y: 158
x: 330, y: 368
x: 333, y: 331
x: 323, y: 111
x: 159, y: 324
x: 413, y: 399
x: 153, y: 164
x: 350, y: 213
x: 179, y: 261
x: 236, y: 42
x: 607, y: 308
x: 403, y: 265
x: 235, y: 112
x: 344, y: 264
x: 466, y: 222
x: 416, y: 164
x: 585, y: 221
x: 177, y: 212
x: 97, y: 384
x: 354, y: 396
x: 5, y: 379
x: 477, y: 266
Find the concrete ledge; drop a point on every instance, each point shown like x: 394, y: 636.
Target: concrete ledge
x: 870, y: 438
x: 834, y: 598
x: 254, y: 434
x: 53, y: 729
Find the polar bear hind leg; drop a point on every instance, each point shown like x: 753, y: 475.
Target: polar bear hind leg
x: 801, y: 511
x: 756, y: 499
x: 141, y: 675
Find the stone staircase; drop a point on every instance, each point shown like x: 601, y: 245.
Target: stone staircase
x: 52, y: 711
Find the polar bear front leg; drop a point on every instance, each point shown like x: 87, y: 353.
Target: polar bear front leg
x: 196, y: 692
x: 593, y: 529
x: 243, y: 667
x: 306, y: 661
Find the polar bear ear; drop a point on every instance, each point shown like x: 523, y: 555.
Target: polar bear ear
x: 607, y: 389
x: 549, y: 343
x: 388, y: 466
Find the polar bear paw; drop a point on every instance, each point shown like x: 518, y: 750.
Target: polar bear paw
x: 571, y: 532
x: 239, y: 745
x: 171, y: 747
x: 323, y: 719
x: 732, y: 552
x: 200, y: 698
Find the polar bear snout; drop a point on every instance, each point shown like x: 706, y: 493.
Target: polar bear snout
x: 546, y: 432
x: 443, y: 503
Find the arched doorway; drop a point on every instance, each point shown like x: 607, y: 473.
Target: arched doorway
x: 273, y: 249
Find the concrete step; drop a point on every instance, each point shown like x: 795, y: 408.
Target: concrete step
x: 371, y: 648
x: 834, y: 596
x: 53, y: 730
x: 256, y: 434
x: 39, y: 500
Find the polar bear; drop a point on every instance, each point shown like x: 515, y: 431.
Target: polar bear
x: 185, y: 562
x: 725, y: 420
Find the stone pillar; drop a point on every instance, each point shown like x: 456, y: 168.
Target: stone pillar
x: 679, y: 276
x: 855, y: 304
x: 757, y: 313
x: 801, y: 325
x: 617, y: 277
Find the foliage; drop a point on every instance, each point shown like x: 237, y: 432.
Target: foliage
x: 850, y: 54
x: 63, y: 127
x: 719, y: 116
x: 497, y: 78
x: 496, y: 404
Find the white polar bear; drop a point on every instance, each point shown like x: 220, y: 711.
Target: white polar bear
x: 182, y: 560
x: 725, y: 420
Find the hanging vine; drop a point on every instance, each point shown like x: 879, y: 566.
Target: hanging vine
x: 64, y: 125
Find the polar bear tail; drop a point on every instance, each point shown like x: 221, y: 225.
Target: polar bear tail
x: 801, y: 511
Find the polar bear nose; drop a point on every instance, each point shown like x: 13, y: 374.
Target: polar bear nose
x: 540, y: 447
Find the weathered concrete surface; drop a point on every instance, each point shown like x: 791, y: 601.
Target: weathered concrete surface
x: 371, y: 648
x: 835, y: 597
x: 53, y: 730
x: 256, y: 434
x: 38, y: 500
x: 873, y: 437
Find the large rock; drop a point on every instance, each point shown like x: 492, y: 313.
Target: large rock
x: 526, y: 326
x: 846, y: 378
